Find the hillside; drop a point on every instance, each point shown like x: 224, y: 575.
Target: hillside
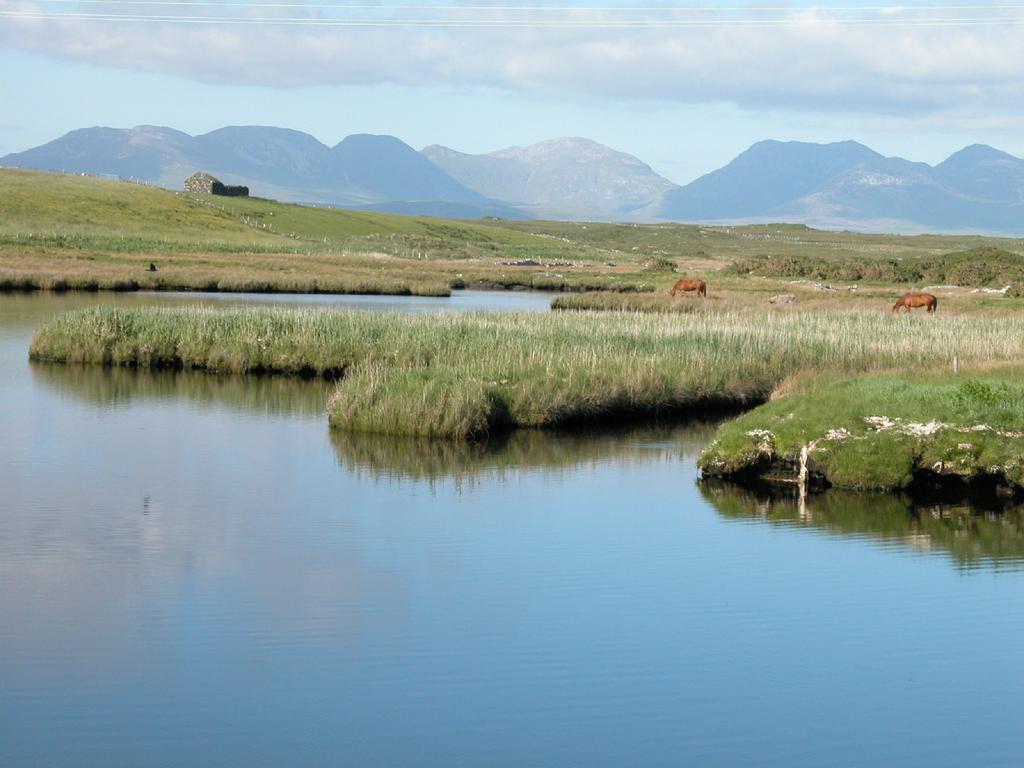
x: 62, y: 205
x: 62, y: 231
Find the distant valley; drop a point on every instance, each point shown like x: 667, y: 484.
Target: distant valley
x: 842, y: 185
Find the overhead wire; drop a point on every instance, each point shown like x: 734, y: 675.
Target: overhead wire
x: 574, y: 16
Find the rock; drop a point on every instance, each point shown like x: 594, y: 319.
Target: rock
x: 783, y: 298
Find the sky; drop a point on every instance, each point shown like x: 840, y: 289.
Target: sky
x: 684, y: 87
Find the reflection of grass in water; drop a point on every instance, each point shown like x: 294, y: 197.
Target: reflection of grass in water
x: 271, y: 395
x: 529, y: 450
x: 971, y: 536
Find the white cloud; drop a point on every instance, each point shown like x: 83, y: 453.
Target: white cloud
x: 816, y: 61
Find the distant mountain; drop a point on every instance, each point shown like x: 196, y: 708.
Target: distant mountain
x: 765, y: 178
x: 563, y: 178
x: 847, y: 185
x: 393, y: 170
x: 362, y: 170
x: 984, y: 173
x: 844, y: 185
x: 145, y: 152
x: 276, y: 156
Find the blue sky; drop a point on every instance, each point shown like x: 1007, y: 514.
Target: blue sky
x: 685, y: 97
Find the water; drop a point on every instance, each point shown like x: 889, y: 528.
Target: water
x: 195, y: 572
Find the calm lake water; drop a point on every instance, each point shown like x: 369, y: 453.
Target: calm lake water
x: 195, y: 572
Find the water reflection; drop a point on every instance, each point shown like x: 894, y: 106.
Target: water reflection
x: 524, y: 450
x: 970, y: 535
x: 115, y: 387
x: 196, y: 573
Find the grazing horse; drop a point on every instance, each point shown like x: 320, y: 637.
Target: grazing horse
x: 909, y: 301
x: 685, y: 286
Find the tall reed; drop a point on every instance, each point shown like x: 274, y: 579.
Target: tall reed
x: 465, y: 375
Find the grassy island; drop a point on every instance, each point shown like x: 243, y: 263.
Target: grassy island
x: 467, y: 375
x: 882, y: 432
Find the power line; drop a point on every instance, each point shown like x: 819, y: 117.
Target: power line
x: 508, y: 23
x: 887, y: 9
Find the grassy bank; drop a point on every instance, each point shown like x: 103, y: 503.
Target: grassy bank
x: 469, y: 375
x: 269, y: 274
x: 882, y: 432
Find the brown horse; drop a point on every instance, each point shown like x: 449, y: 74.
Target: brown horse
x: 909, y: 301
x: 686, y: 286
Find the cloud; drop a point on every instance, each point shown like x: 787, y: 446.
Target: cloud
x: 809, y: 60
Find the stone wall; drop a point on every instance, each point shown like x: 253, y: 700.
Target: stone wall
x: 205, y: 184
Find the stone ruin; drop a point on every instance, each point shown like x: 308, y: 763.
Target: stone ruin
x: 205, y: 184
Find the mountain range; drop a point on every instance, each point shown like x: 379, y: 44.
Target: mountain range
x: 842, y: 185
x: 846, y: 185
x: 566, y: 178
x: 360, y: 171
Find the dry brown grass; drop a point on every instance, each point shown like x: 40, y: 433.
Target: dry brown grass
x: 66, y: 269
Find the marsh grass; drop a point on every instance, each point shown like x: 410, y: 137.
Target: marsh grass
x: 468, y: 375
x: 648, y: 302
x: 23, y: 275
x: 286, y: 272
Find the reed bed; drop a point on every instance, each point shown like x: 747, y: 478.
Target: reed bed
x: 346, y: 273
x: 211, y: 281
x: 621, y: 302
x: 466, y: 375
